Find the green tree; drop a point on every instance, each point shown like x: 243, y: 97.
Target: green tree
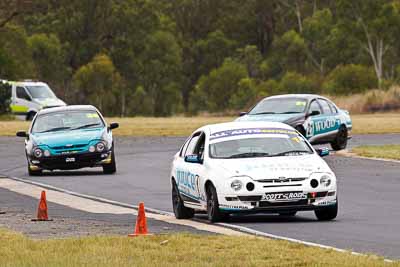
x: 15, y: 55
x: 5, y: 97
x: 349, y: 79
x: 374, y: 24
x: 48, y: 58
x: 98, y: 83
x: 214, y: 91
x: 160, y: 72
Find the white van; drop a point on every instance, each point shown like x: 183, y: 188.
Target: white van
x: 28, y: 97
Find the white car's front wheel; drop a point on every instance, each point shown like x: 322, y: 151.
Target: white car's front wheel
x: 327, y: 213
x: 213, y: 212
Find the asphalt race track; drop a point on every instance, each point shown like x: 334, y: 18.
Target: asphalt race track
x: 369, y: 192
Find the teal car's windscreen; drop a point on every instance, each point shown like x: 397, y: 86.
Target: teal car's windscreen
x: 69, y: 120
x: 280, y: 106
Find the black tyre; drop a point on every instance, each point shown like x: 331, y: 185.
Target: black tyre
x: 111, y: 167
x: 31, y: 172
x: 30, y: 116
x: 340, y: 141
x: 328, y: 213
x: 213, y: 212
x: 180, y: 211
x: 288, y: 213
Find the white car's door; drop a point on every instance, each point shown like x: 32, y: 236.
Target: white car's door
x: 190, y: 173
x: 22, y: 101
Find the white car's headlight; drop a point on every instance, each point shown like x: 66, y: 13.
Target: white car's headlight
x: 326, y: 180
x: 236, y: 185
x: 318, y: 179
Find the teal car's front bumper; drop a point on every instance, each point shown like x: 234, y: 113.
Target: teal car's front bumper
x: 71, y: 161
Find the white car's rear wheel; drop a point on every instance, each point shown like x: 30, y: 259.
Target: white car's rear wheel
x: 180, y: 211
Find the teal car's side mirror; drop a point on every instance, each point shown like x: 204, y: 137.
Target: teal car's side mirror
x: 22, y: 134
x: 322, y: 152
x: 113, y: 125
x: 193, y: 159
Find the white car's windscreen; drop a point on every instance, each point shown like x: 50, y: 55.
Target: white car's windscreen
x: 40, y: 91
x: 264, y: 143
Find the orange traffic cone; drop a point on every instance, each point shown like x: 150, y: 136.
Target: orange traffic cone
x: 42, y: 209
x: 141, y: 224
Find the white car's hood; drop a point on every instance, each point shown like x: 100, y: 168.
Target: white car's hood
x: 274, y: 167
x: 49, y: 102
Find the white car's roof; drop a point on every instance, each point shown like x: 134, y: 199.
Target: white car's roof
x: 30, y: 83
x: 214, y: 128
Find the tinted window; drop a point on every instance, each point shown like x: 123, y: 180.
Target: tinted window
x: 279, y: 106
x: 314, y: 106
x: 333, y: 108
x: 21, y: 93
x: 183, y: 149
x: 325, y: 106
x: 199, y: 150
x: 190, y: 150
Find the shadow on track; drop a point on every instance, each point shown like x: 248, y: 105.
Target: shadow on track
x: 263, y: 218
x: 72, y: 173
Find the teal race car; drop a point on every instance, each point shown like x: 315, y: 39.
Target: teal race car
x: 317, y: 118
x: 71, y: 137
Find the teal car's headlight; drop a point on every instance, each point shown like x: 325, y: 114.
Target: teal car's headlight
x: 100, y: 146
x: 37, y: 152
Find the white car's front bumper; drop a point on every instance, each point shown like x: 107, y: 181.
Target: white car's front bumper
x: 278, y: 197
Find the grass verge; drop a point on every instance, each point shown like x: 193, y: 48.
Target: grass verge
x: 179, y: 250
x: 379, y: 123
x: 385, y: 151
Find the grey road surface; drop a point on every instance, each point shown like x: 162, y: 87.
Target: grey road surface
x: 369, y: 213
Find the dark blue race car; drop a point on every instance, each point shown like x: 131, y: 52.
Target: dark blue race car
x: 314, y: 116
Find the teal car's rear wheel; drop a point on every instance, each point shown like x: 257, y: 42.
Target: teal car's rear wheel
x: 111, y: 167
x: 340, y: 141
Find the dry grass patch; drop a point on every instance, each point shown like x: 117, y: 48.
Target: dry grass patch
x: 183, y: 126
x: 180, y: 250
x: 385, y: 151
x: 379, y: 123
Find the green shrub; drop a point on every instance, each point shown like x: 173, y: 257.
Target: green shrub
x: 294, y: 83
x: 245, y: 95
x: 349, y: 79
x: 5, y: 97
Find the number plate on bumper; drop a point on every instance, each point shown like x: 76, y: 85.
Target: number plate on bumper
x: 69, y: 159
x: 284, y: 196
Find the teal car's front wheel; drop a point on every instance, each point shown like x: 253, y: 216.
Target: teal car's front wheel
x: 111, y: 167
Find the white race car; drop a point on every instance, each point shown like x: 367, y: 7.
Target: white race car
x: 250, y: 167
